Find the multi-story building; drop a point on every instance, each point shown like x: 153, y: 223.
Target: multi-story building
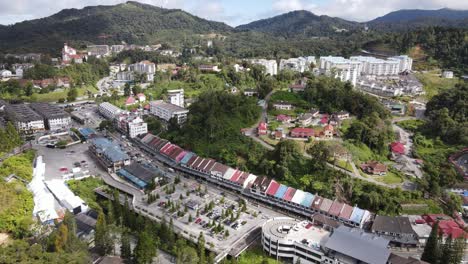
x: 109, y: 154
x: 176, y: 97
x: 397, y: 229
x: 283, y: 106
x: 132, y: 126
x: 24, y: 118
x: 54, y: 117
x: 271, y: 66
x: 167, y: 111
x: 125, y: 76
x: 290, y: 239
x: 300, y: 64
x: 378, y: 67
x: 343, y: 69
x: 69, y: 54
x: 109, y: 110
x: 117, y: 48
x: 406, y: 62
x: 98, y: 50
x: 144, y: 67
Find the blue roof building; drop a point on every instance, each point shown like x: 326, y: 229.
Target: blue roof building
x: 307, y: 200
x: 281, y: 191
x: 109, y: 154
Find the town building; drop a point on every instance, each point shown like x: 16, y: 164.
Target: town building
x: 167, y: 111
x: 5, y: 74
x: 447, y: 74
x: 109, y: 154
x: 283, y: 118
x: 353, y: 245
x: 328, y: 132
x: 125, y: 76
x: 130, y: 101
x: 271, y: 66
x: 397, y: 229
x: 176, y: 97
x: 208, y: 68
x: 144, y: 67
x: 55, y: 118
x: 24, y: 118
x: 341, y: 68
x: 250, y: 92
x: 117, y: 48
x: 262, y: 129
x: 132, y: 126
x: 378, y: 67
x: 140, y: 175
x: 289, y: 239
x: 406, y: 63
x: 141, y: 97
x: 301, y: 132
x: 66, y: 197
x: 306, y: 119
x: 283, y: 105
x: 109, y: 110
x: 374, y: 168
x: 300, y: 64
x: 164, y: 67
x: 70, y: 55
x: 98, y: 51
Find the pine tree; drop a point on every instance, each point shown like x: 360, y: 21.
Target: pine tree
x: 201, y: 248
x: 431, y: 250
x: 127, y: 89
x: 61, y: 239
x: 101, y: 236
x: 447, y: 251
x: 125, y: 249
x: 458, y: 249
x: 145, y: 249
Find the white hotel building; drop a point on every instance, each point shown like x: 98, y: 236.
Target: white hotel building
x: 109, y: 110
x: 271, y: 66
x: 300, y: 64
x: 344, y: 69
x: 377, y: 67
x: 406, y: 62
x: 132, y: 126
x: 167, y: 111
x: 176, y: 97
x: 145, y: 67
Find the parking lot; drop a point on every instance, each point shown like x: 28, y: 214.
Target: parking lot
x: 220, y: 216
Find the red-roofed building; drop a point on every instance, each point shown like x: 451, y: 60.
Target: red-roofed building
x: 272, y: 188
x: 130, y: 100
x: 328, y: 131
x: 283, y: 118
x: 278, y: 135
x: 397, y: 148
x: 301, y: 132
x: 289, y: 194
x: 447, y: 226
x: 324, y: 120
x: 262, y: 128
x: 141, y: 97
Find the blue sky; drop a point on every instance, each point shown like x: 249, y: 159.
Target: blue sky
x: 234, y: 12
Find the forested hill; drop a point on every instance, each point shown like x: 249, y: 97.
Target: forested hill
x: 403, y: 20
x: 301, y: 23
x: 131, y: 22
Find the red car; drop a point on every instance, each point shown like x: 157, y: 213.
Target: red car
x: 198, y: 220
x: 63, y: 169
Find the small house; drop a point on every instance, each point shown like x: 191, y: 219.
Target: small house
x: 374, y: 168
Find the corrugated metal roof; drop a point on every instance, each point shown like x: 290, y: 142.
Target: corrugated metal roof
x: 346, y: 212
x: 289, y: 194
x: 308, y: 198
x: 359, y: 245
x: 298, y: 196
x: 281, y: 191
x: 272, y: 188
x: 109, y: 149
x: 317, y: 202
x: 357, y: 215
x: 326, y: 204
x: 335, y: 209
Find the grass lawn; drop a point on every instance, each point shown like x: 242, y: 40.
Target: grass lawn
x: 255, y: 256
x: 419, y: 207
x: 344, y: 165
x: 269, y: 140
x: 433, y: 83
x: 389, y: 178
x: 85, y: 189
x: 362, y: 153
x: 55, y: 96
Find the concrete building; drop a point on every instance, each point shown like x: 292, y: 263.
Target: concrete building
x: 98, y: 50
x: 167, y: 111
x: 109, y: 110
x: 343, y: 69
x: 271, y: 66
x: 132, y: 126
x: 117, y: 48
x: 24, y: 118
x: 289, y: 239
x: 5, y: 74
x: 109, y: 154
x: 144, y: 67
x: 378, y: 67
x: 283, y: 106
x: 176, y: 97
x: 447, y: 74
x: 397, y: 229
x: 70, y: 54
x: 54, y: 117
x: 406, y: 62
x: 66, y: 197
x: 300, y: 64
x: 125, y: 76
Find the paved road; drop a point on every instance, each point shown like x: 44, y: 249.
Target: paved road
x: 405, y: 138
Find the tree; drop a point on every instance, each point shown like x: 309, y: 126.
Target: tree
x: 458, y: 249
x: 72, y: 94
x: 127, y: 89
x: 201, y: 248
x: 190, y: 219
x: 432, y: 249
x: 447, y: 251
x: 136, y: 89
x: 28, y: 89
x: 188, y: 255
x: 101, y: 235
x: 125, y: 249
x: 145, y: 249
x: 62, y: 238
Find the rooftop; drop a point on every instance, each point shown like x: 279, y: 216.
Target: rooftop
x: 365, y: 247
x: 390, y: 224
x: 22, y: 112
x: 49, y: 111
x: 111, y: 150
x: 286, y: 228
x: 167, y: 106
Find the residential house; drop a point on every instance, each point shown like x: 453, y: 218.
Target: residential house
x: 342, y: 115
x: 447, y: 74
x: 262, y: 129
x: 208, y: 68
x: 397, y: 148
x: 70, y: 55
x: 328, y: 132
x: 250, y: 92
x: 315, y: 113
x: 283, y: 118
x: 130, y: 101
x: 141, y: 97
x: 297, y: 88
x: 301, y: 132
x: 281, y: 105
x: 374, y: 168
x: 278, y: 135
x: 306, y: 119
x: 5, y: 74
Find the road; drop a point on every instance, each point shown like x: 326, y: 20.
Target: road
x: 410, y: 163
x: 102, y: 86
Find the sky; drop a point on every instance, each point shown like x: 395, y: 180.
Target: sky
x: 233, y: 12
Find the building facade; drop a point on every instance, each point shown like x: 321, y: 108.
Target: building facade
x: 26, y: 120
x: 176, y: 97
x: 144, y: 67
x: 341, y: 68
x: 54, y: 117
x: 271, y: 66
x: 132, y: 126
x: 406, y: 62
x: 109, y: 154
x: 109, y: 110
x: 167, y: 111
x: 378, y: 67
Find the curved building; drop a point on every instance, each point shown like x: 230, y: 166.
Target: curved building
x: 289, y: 239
